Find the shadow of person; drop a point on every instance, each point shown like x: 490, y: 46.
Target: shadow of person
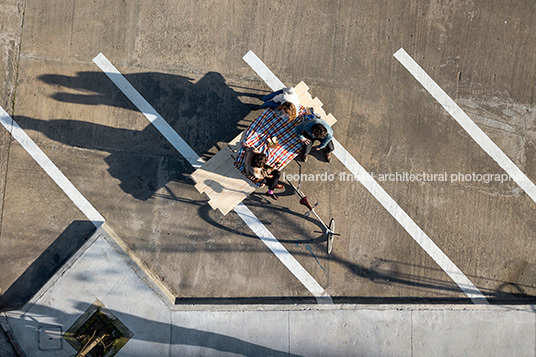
x: 204, y: 113
x: 141, y: 167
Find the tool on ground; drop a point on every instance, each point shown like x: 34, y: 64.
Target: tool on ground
x: 329, y: 230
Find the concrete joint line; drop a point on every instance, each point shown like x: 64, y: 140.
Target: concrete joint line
x: 15, y: 86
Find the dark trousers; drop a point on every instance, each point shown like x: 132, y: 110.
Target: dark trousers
x: 268, y: 103
x: 307, y: 148
x: 271, y: 182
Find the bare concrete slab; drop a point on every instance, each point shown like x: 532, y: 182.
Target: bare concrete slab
x: 11, y: 14
x: 458, y: 332
x: 95, y: 273
x: 102, y: 271
x: 185, y: 59
x: 345, y: 333
x: 140, y: 184
x: 31, y: 252
x: 228, y: 332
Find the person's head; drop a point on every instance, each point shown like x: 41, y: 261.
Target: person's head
x: 288, y: 108
x: 258, y: 160
x: 319, y: 131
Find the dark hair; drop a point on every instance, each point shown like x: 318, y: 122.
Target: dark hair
x: 290, y: 109
x: 319, y: 131
x: 258, y: 160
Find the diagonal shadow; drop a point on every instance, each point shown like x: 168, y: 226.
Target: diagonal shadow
x: 207, y: 109
x: 46, y: 265
x: 183, y: 336
x: 140, y: 168
x: 204, y: 113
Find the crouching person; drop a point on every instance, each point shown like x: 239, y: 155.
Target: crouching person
x: 315, y: 129
x: 258, y: 172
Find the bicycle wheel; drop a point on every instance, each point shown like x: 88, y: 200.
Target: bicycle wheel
x: 330, y: 235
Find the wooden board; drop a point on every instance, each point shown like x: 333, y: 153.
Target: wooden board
x: 218, y: 178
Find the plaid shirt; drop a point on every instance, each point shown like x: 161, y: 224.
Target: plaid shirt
x: 269, y: 124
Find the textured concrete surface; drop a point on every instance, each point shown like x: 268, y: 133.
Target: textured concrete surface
x: 5, y: 346
x: 100, y: 270
x: 458, y: 332
x: 11, y: 14
x: 185, y: 59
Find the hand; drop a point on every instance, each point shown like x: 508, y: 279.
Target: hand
x: 306, y: 141
x: 318, y: 149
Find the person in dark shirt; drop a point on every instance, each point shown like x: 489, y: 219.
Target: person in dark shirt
x: 315, y: 129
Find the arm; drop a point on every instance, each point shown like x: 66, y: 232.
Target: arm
x: 309, y: 111
x: 267, y: 170
x: 325, y: 142
x: 299, y: 131
x: 252, y: 173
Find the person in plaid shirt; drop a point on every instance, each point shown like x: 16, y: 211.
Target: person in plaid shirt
x: 271, y: 123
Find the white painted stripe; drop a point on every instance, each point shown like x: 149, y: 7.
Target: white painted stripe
x: 282, y: 253
x: 150, y: 113
x: 408, y: 224
x: 184, y: 149
x: 52, y: 170
x: 470, y: 127
x: 263, y: 71
x: 395, y: 210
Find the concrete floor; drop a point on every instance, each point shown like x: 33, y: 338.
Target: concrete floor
x: 100, y: 273
x: 185, y: 59
x: 5, y: 346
